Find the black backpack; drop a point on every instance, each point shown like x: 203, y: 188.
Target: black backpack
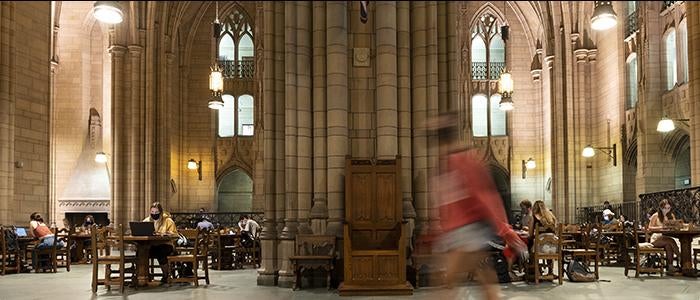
x: 499, y: 263
x: 578, y: 272
x: 10, y: 239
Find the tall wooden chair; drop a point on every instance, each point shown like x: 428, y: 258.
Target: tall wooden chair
x: 547, y: 247
x: 190, y: 235
x: 104, y: 242
x: 588, y: 249
x: 639, y: 251
x: 10, y: 253
x: 199, y: 255
x: 63, y: 256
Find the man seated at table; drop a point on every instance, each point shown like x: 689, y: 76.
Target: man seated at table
x: 204, y: 224
x: 164, y: 225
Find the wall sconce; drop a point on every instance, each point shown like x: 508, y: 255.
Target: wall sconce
x: 195, y: 165
x: 589, y: 151
x: 528, y: 165
x: 666, y: 124
x: 604, y: 16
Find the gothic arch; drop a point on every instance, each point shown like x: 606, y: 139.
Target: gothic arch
x: 675, y: 142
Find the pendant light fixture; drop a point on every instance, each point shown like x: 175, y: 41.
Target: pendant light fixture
x: 604, y: 16
x: 108, y: 12
x: 216, y: 77
x: 505, y: 82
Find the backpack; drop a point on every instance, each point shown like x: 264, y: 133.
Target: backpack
x: 499, y: 263
x: 578, y: 272
x: 10, y: 239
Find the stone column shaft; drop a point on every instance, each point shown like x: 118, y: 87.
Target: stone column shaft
x: 419, y: 110
x: 119, y: 163
x: 135, y: 155
x: 434, y: 101
x: 7, y: 113
x: 319, y: 211
x: 304, y: 123
x: 403, y: 29
x: 337, y: 110
x: 387, y: 95
x: 693, y: 13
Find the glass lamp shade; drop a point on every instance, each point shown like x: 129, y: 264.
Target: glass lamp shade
x: 216, y: 103
x: 505, y: 84
x: 108, y: 12
x: 505, y: 104
x: 216, y: 80
x: 192, y: 165
x: 100, y: 157
x: 530, y: 164
x: 665, y: 125
x: 588, y: 151
x: 604, y: 16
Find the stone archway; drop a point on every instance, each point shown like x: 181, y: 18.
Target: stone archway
x: 235, y: 192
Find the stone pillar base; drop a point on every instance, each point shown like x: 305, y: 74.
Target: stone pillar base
x: 267, y: 279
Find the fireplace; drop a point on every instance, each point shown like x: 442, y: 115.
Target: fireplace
x: 77, y: 218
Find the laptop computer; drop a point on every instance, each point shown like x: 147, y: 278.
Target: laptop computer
x: 21, y: 232
x: 141, y: 228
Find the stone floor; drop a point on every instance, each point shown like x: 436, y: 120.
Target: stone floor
x: 241, y: 284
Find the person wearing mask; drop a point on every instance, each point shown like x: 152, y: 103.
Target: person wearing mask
x: 164, y: 225
x: 88, y: 222
x: 471, y: 210
x: 656, y: 221
x: 43, y: 233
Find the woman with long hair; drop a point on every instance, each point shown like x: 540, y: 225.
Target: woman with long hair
x: 656, y: 221
x: 541, y: 216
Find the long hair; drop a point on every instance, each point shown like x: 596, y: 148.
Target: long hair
x: 36, y: 217
x: 158, y: 206
x: 540, y: 211
x: 660, y: 213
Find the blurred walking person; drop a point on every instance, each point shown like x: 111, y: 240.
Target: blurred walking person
x: 471, y: 210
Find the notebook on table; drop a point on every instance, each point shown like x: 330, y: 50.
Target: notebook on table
x: 142, y: 228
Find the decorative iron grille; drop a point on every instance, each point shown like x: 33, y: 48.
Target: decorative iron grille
x: 631, y: 24
x: 236, y: 69
x: 480, y: 69
x: 219, y: 219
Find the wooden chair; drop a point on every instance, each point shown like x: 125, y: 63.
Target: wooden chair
x: 199, y: 254
x: 10, y: 253
x: 63, y: 256
x: 632, y: 246
x: 313, y: 252
x: 588, y: 249
x: 47, y: 256
x: 190, y: 235
x: 104, y: 241
x: 547, y: 246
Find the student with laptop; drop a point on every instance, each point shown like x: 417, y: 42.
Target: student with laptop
x: 42, y: 232
x: 163, y: 225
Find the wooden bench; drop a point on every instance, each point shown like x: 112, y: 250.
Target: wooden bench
x: 313, y: 252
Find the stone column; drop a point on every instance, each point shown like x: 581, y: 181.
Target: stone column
x: 403, y: 16
x: 267, y: 274
x: 7, y: 113
x: 135, y: 128
x: 119, y: 163
x: 304, y: 123
x: 582, y: 116
x: 547, y: 82
x: 433, y: 103
x: 337, y: 111
x: 387, y: 95
x: 693, y: 11
x: 452, y: 56
x: 319, y: 211
x: 592, y: 99
x: 286, y: 274
x: 419, y: 111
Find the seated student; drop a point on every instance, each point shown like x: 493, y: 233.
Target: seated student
x: 661, y: 241
x: 204, y: 224
x: 251, y: 226
x: 164, y: 225
x: 42, y: 232
x: 608, y: 215
x: 526, y: 214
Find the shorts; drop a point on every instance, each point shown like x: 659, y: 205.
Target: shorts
x: 472, y: 237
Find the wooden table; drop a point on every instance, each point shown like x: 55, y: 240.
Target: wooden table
x: 225, y: 245
x: 79, y: 239
x: 23, y: 246
x: 686, y: 238
x: 143, y: 245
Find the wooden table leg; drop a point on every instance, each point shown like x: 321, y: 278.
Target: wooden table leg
x: 686, y: 256
x: 142, y: 264
x: 79, y: 255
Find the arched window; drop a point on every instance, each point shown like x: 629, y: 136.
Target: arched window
x: 498, y: 117
x: 631, y: 71
x: 488, y: 60
x: 236, y: 47
x: 480, y: 125
x: 683, y: 42
x: 670, y: 51
x: 245, y: 115
x: 237, y: 116
x: 227, y: 116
